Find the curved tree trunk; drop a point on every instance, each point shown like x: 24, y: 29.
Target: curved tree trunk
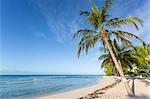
x: 128, y: 89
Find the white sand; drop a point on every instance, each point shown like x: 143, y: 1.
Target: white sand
x: 142, y: 90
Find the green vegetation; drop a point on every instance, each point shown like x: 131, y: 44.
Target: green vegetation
x: 141, y: 66
x: 122, y: 53
x: 134, y: 61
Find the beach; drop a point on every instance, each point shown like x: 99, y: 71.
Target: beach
x: 107, y: 88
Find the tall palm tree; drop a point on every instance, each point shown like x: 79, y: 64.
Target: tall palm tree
x: 101, y: 24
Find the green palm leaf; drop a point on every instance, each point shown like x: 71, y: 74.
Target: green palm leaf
x: 85, y: 13
x: 129, y: 20
x: 105, y: 7
x: 123, y: 36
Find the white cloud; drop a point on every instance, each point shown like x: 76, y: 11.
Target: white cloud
x: 17, y: 72
x: 57, y: 24
x: 143, y: 12
x: 42, y: 35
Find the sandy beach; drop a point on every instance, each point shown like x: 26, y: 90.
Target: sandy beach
x: 107, y: 88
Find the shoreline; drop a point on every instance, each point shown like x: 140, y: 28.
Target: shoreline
x: 69, y: 90
x: 83, y: 91
x: 107, y: 87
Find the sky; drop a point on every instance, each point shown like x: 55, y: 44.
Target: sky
x: 36, y: 35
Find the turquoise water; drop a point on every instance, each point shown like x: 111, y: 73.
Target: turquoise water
x: 25, y: 86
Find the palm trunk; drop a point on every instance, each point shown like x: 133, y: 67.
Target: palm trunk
x: 116, y: 53
x: 119, y: 62
x: 124, y: 80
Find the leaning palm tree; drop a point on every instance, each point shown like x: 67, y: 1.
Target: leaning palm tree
x: 101, y: 30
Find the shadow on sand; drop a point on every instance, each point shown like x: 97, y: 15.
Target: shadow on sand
x: 133, y: 88
x: 137, y: 97
x: 99, y: 94
x: 146, y: 82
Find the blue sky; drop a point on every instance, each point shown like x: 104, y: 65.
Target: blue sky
x: 36, y: 35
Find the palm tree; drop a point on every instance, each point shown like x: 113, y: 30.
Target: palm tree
x: 108, y: 65
x: 123, y: 55
x: 101, y: 30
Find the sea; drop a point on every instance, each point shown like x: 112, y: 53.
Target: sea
x: 28, y: 86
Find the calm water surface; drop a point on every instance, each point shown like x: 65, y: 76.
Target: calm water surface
x: 25, y: 86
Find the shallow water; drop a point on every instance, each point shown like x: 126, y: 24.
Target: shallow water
x: 25, y: 86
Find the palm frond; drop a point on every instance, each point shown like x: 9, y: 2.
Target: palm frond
x: 79, y: 50
x: 94, y: 17
x: 123, y: 36
x: 104, y: 56
x: 129, y: 20
x: 105, y: 7
x: 95, y: 11
x: 104, y: 15
x: 113, y: 20
x: 87, y: 42
x: 105, y: 63
x: 93, y: 20
x: 83, y: 32
x: 84, y: 13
